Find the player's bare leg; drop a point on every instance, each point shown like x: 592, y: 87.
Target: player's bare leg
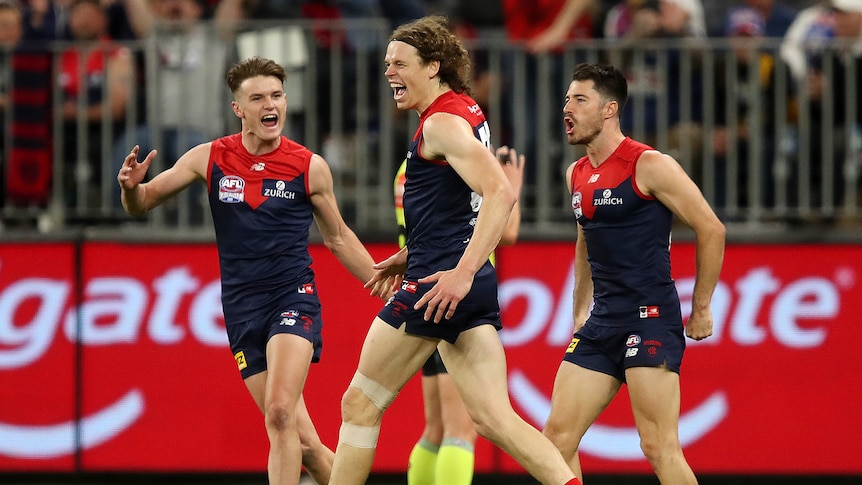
x: 316, y: 457
x: 655, y: 397
x: 456, y: 460
x: 579, y: 396
x: 423, y: 457
x: 389, y: 358
x: 277, y: 392
x: 477, y: 364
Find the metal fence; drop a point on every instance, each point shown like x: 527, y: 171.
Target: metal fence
x: 769, y: 147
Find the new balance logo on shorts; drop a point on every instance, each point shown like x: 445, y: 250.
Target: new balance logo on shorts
x: 648, y: 311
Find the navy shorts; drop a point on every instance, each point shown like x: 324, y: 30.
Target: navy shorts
x: 434, y: 365
x: 479, y: 307
x: 296, y: 313
x: 613, y: 349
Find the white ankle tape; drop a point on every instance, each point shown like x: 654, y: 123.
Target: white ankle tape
x: 359, y: 436
x: 377, y: 394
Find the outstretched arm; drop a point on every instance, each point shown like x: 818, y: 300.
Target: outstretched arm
x: 139, y: 198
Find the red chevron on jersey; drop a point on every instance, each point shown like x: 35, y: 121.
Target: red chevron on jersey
x: 607, y: 185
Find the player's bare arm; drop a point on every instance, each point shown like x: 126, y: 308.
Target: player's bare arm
x: 582, y: 295
x: 337, y: 236
x: 661, y: 176
x: 450, y: 137
x: 139, y: 198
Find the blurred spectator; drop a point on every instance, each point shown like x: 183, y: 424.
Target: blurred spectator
x: 27, y: 78
x: 777, y: 16
x: 811, y: 30
x: 631, y: 19
x: 11, y: 27
x: 546, y: 25
x: 831, y: 103
x: 192, y: 60
x: 659, y: 53
x: 540, y: 30
x: 848, y: 21
x: 682, y: 18
x: 848, y: 29
x: 45, y: 20
x: 11, y: 32
x: 745, y: 109
x: 94, y: 78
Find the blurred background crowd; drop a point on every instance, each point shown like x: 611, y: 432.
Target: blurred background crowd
x: 759, y: 100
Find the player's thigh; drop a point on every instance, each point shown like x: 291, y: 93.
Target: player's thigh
x: 256, y: 385
x: 655, y: 397
x: 578, y: 397
x: 288, y: 358
x: 390, y: 357
x: 477, y: 365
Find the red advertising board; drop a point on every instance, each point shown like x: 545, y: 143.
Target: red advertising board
x: 125, y: 366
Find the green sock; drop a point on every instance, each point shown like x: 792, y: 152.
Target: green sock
x: 420, y: 468
x: 455, y: 462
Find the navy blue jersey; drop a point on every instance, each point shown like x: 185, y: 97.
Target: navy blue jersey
x: 262, y: 213
x: 627, y: 235
x: 439, y: 207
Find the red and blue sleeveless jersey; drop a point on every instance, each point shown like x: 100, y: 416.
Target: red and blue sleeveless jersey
x: 440, y: 209
x: 627, y: 234
x: 262, y: 212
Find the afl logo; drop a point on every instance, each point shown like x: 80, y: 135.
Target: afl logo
x: 576, y: 204
x: 231, y: 189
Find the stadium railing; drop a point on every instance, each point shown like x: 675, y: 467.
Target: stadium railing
x: 771, y: 151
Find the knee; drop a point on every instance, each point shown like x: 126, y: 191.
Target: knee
x: 353, y: 404
x: 365, y: 399
x: 564, y: 438
x: 279, y: 416
x: 657, y: 450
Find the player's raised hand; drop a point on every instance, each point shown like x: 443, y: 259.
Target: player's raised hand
x: 513, y: 166
x: 132, y: 173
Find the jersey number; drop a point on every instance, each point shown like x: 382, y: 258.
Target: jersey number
x: 483, y: 133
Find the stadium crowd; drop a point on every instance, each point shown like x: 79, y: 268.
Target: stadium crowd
x: 98, y: 81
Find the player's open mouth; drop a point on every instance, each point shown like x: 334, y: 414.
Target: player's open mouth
x: 399, y: 90
x: 570, y: 125
x: 269, y: 121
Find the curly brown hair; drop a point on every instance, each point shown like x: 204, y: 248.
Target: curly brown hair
x: 253, y: 67
x: 434, y: 40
